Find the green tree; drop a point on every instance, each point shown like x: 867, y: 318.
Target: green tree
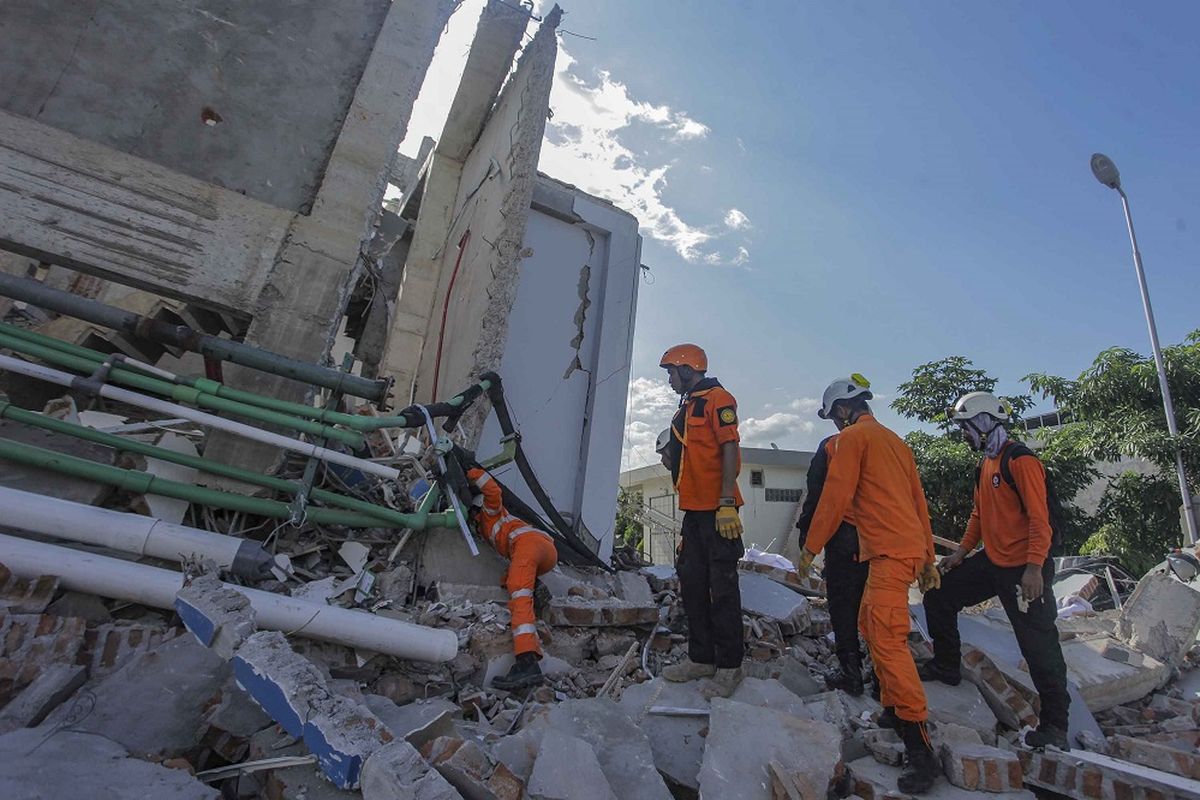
x: 1134, y: 512
x: 936, y: 386
x: 628, y: 529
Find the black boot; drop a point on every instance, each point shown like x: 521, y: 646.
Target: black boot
x: 933, y: 671
x: 1047, y: 736
x: 525, y: 672
x: 888, y: 718
x: 921, y: 766
x: 849, y: 678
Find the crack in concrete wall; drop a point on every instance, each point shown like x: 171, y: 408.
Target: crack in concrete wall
x: 585, y: 302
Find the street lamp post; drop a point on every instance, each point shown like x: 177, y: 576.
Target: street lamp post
x: 1106, y: 172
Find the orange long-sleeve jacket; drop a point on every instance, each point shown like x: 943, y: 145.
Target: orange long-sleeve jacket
x: 1012, y: 536
x: 494, y: 522
x: 873, y: 476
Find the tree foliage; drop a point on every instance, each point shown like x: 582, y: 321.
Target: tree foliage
x: 628, y: 529
x: 1133, y: 515
x: 936, y: 386
x: 947, y: 468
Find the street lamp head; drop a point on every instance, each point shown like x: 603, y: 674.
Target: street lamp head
x: 1106, y: 171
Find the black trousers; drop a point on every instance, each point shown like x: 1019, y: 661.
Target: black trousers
x: 712, y: 599
x: 978, y: 579
x: 845, y: 578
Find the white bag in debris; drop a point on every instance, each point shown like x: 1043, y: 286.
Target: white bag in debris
x: 1071, y: 605
x: 770, y: 559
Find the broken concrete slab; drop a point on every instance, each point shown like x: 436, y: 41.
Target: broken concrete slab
x: 771, y: 694
x: 87, y: 607
x: 301, y: 782
x: 766, y: 598
x: 155, y: 703
x: 471, y: 770
x: 875, y: 781
x: 48, y: 690
x: 1081, y: 773
x: 677, y: 742
x: 396, y: 771
x: 567, y: 769
x: 1104, y: 682
x: 884, y: 745
x: 36, y: 763
x: 978, y: 767
x: 743, y: 740
x: 339, y: 732
x: 597, y: 612
x: 457, y: 593
x: 29, y: 643
x: 1161, y: 618
x: 620, y: 746
x: 810, y: 586
x: 219, y: 616
x: 25, y: 595
x: 961, y: 705
x: 1184, y: 761
x: 417, y: 723
x: 1006, y: 699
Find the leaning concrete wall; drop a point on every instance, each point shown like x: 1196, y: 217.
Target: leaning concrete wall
x: 248, y: 96
x: 491, y: 211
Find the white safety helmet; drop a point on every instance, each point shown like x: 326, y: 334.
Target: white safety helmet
x: 972, y: 405
x: 664, y: 439
x: 844, y: 389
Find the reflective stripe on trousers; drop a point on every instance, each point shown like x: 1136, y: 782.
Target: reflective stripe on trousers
x: 530, y: 556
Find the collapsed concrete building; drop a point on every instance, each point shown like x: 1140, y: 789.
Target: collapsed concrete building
x: 259, y: 582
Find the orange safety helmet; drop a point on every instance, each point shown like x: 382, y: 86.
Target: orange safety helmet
x: 685, y: 355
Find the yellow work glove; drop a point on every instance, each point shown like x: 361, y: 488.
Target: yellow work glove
x: 930, y: 577
x: 804, y: 563
x: 729, y: 524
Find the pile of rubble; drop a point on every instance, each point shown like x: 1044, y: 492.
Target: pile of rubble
x: 206, y: 700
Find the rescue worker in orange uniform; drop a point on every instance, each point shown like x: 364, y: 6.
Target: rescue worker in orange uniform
x: 704, y: 457
x: 530, y: 552
x: 1011, y: 516
x: 873, y: 475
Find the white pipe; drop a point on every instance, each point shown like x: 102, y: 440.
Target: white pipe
x: 130, y: 533
x: 213, y: 421
x: 138, y: 583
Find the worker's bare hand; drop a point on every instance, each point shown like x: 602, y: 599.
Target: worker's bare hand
x: 1032, y: 585
x: 951, y: 561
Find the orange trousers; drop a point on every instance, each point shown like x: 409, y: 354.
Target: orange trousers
x: 884, y: 621
x: 531, y: 554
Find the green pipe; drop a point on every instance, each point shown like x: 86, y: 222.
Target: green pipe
x: 179, y: 393
x: 355, y: 422
x: 420, y: 520
x: 145, y: 483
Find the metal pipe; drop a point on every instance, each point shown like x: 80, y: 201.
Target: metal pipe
x: 43, y: 296
x: 131, y: 533
x: 388, y: 517
x: 211, y: 420
x: 138, y: 583
x: 145, y: 483
x: 177, y: 392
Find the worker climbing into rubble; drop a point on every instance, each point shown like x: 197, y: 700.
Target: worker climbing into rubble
x: 873, y: 476
x: 704, y: 457
x: 845, y: 575
x: 530, y: 553
x: 1012, y: 517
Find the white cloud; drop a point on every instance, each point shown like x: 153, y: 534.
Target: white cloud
x: 742, y: 257
x: 777, y: 428
x: 736, y: 220
x: 805, y: 404
x: 650, y: 407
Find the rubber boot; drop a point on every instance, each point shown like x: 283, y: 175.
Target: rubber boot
x: 1047, y: 736
x: 541, y: 599
x: 888, y: 719
x: 921, y: 767
x: 688, y: 671
x: 723, y: 683
x: 524, y: 673
x: 931, y: 670
x: 849, y: 678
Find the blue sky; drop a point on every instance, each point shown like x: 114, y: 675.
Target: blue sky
x: 910, y: 181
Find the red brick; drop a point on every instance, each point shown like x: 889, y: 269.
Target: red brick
x: 1092, y: 784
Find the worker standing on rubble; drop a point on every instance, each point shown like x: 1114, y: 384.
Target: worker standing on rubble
x: 873, y: 475
x: 530, y: 552
x: 845, y: 575
x: 704, y: 457
x: 1012, y: 517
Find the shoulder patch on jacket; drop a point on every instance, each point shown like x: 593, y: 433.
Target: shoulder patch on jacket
x: 727, y: 415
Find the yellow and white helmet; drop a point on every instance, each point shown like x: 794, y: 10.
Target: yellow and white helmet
x: 972, y: 405
x: 843, y: 389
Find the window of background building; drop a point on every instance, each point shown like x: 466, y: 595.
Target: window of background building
x: 756, y: 478
x: 784, y: 495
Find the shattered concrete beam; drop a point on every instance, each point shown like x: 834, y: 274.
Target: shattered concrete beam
x: 219, y: 616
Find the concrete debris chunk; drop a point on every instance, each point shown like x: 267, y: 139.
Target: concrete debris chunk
x: 1007, y: 700
x: 47, y: 691
x: 29, y: 643
x: 70, y: 763
x: 472, y: 771
x: 620, y: 746
x: 396, y: 771
x: 339, y: 732
x: 874, y: 781
x: 811, y: 586
x: 219, y: 616
x: 154, y: 705
x: 978, y: 767
x: 1161, y: 618
x: 743, y: 740
x: 961, y: 705
x: 766, y: 598
x: 1105, y: 682
x: 26, y: 595
x: 884, y: 745
x: 1080, y: 773
x: 676, y: 741
x: 1183, y: 759
x: 566, y: 769
x: 417, y: 723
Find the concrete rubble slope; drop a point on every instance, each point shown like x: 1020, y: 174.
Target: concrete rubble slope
x: 47, y: 764
x: 875, y: 781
